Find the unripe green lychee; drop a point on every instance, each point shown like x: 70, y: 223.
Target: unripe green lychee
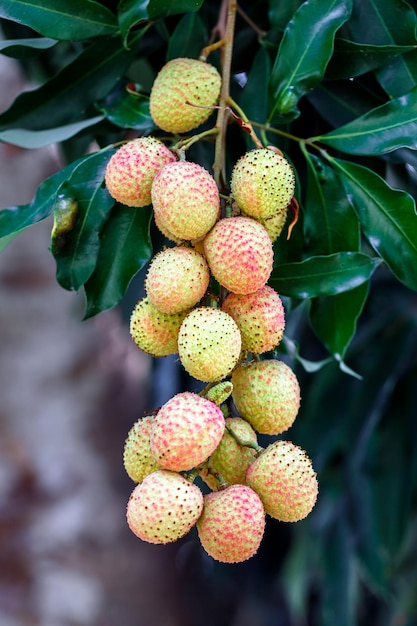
x: 262, y: 183
x: 155, y: 332
x: 185, y: 199
x: 180, y: 84
x: 232, y: 457
x: 274, y: 224
x: 232, y: 524
x: 137, y: 457
x: 164, y: 507
x: 209, y: 344
x: 284, y: 478
x: 132, y: 168
x: 239, y: 253
x: 177, y: 279
x: 260, y: 317
x: 185, y: 431
x: 266, y: 394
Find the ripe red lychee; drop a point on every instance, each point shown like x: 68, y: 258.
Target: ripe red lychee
x: 266, y: 394
x: 232, y: 457
x: 284, y: 478
x: 179, y: 85
x: 177, y: 279
x: 262, y: 183
x: 164, y: 507
x: 209, y: 344
x: 137, y: 457
x: 260, y: 317
x: 239, y: 253
x: 185, y: 431
x: 185, y: 199
x: 155, y: 332
x: 132, y: 168
x: 232, y: 524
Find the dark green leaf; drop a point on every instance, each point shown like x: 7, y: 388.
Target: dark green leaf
x: 353, y: 59
x: 387, y: 216
x: 304, y: 52
x: 15, y: 219
x: 384, y: 129
x: 24, y: 48
x: 164, y: 8
x: 131, y: 12
x: 334, y: 318
x: 323, y: 275
x: 77, y: 258
x: 39, y: 138
x: 280, y: 12
x: 331, y: 224
x: 188, y: 38
x: 125, y: 247
x: 254, y: 98
x: 127, y: 109
x: 62, y: 19
x: 65, y: 97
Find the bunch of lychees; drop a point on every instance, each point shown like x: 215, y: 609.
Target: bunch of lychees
x: 218, y: 336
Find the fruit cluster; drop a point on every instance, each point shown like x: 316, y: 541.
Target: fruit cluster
x: 207, y: 300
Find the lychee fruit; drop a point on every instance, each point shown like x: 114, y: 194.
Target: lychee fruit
x: 262, y: 183
x: 185, y: 199
x: 180, y: 84
x: 209, y: 344
x: 232, y: 457
x: 232, y: 524
x: 132, y: 168
x: 155, y: 332
x: 260, y: 316
x: 274, y: 224
x: 267, y: 394
x: 137, y: 457
x: 166, y: 232
x: 177, y: 279
x: 284, y: 478
x: 164, y: 507
x: 185, y: 431
x: 239, y: 253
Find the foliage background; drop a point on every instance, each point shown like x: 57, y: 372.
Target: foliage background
x: 334, y: 85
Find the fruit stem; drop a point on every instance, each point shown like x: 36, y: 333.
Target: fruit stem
x: 184, y: 144
x: 210, y: 48
x: 222, y: 115
x: 245, y: 443
x: 248, y: 126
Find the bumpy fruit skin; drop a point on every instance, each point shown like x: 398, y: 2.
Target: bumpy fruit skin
x: 185, y: 432
x: 164, y: 507
x: 232, y: 524
x: 262, y: 183
x: 231, y: 459
x: 185, y: 200
x: 266, y: 394
x: 155, y: 332
x: 239, y: 253
x: 260, y: 317
x: 209, y: 344
x: 179, y: 82
x: 137, y: 457
x: 177, y: 279
x: 132, y: 168
x: 284, y: 478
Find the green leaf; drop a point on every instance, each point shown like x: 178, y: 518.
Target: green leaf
x: 387, y: 216
x: 384, y: 129
x: 127, y: 109
x: 331, y: 224
x: 65, y: 20
x: 353, y: 59
x: 304, y: 52
x: 15, y: 219
x: 131, y: 12
x: 323, y: 275
x: 125, y: 247
x: 188, y: 38
x: 39, y: 138
x: 334, y: 318
x: 164, y: 8
x: 280, y: 12
x: 24, y: 48
x: 77, y: 259
x: 64, y: 98
x: 254, y: 98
